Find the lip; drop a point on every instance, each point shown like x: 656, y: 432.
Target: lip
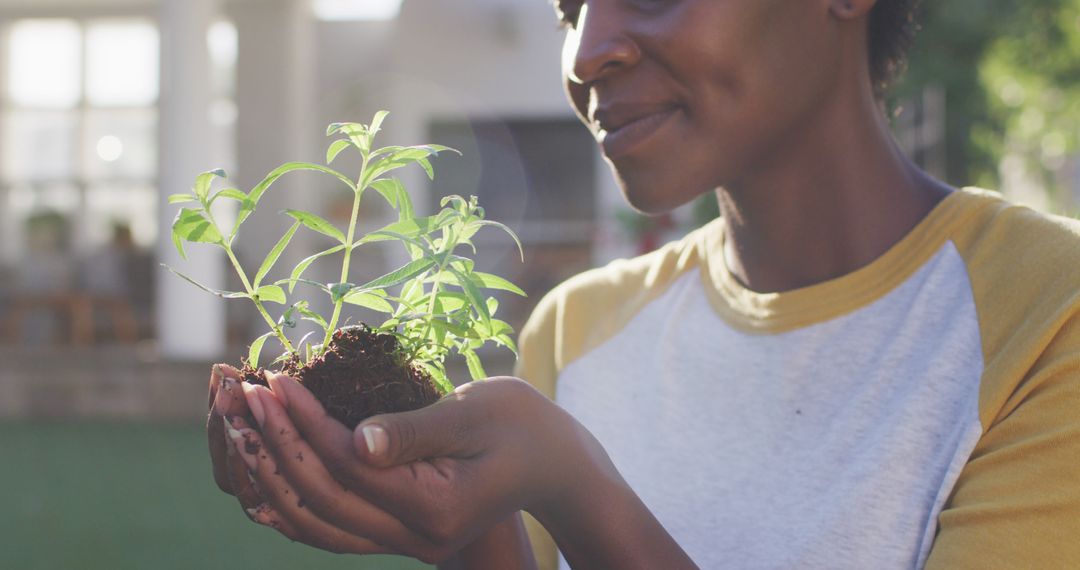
x: 622, y: 128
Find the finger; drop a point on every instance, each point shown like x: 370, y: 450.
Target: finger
x: 290, y: 514
x: 240, y: 477
x: 219, y: 372
x: 330, y: 439
x: 303, y: 469
x: 223, y: 387
x: 444, y: 429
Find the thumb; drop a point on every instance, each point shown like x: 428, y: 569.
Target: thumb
x: 444, y: 429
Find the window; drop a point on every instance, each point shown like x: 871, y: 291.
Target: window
x: 79, y: 129
x: 79, y: 152
x: 536, y: 176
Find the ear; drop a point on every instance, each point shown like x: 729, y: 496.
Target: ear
x: 850, y: 9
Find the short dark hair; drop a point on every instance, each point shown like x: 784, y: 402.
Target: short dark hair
x: 892, y: 27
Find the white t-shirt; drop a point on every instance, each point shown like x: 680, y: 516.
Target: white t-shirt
x: 921, y: 411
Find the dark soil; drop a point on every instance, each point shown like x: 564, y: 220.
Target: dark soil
x: 363, y: 374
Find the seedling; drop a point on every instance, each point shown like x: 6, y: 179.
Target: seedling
x: 435, y: 304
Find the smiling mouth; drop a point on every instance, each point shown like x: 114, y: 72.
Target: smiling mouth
x: 623, y: 136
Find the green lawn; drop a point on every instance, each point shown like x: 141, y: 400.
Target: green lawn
x: 133, y: 496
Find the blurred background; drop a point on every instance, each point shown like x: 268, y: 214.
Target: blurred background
x: 107, y: 106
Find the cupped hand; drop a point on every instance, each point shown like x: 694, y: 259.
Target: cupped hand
x: 228, y: 409
x: 423, y: 483
x: 239, y: 462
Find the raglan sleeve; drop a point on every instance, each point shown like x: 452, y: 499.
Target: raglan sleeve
x: 537, y: 364
x: 1016, y: 503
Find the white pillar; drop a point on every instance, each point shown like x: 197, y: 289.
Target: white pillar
x: 276, y: 77
x: 190, y: 322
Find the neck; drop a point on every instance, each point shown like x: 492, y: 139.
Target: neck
x: 833, y: 197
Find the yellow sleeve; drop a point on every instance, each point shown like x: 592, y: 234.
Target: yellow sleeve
x: 536, y: 364
x: 1017, y: 501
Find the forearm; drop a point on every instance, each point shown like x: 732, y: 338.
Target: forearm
x: 504, y: 547
x: 605, y: 525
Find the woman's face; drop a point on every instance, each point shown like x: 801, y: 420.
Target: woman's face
x: 686, y: 96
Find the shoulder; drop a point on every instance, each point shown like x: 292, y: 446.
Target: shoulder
x: 588, y: 308
x: 1015, y: 239
x: 1024, y: 268
x: 1024, y: 265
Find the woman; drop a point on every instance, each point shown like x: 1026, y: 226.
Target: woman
x: 857, y: 366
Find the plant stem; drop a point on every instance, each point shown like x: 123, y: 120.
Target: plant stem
x: 349, y: 237
x: 429, y: 316
x: 258, y: 304
x: 227, y: 246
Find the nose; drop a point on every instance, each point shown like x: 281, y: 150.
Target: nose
x: 599, y: 45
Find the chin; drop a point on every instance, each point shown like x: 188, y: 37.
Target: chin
x: 654, y: 195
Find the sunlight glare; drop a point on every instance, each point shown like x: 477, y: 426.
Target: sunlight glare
x: 345, y: 10
x: 43, y: 64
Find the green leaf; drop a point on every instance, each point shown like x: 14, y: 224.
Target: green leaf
x: 182, y: 198
x: 475, y: 298
x: 288, y: 319
x: 335, y: 149
x: 230, y: 193
x: 272, y: 257
x: 455, y: 328
x: 376, y: 122
x: 476, y: 368
x: 399, y: 157
x: 315, y: 284
x: 317, y: 223
x: 505, y: 340
x: 192, y: 225
x: 301, y: 267
x: 500, y: 327
x: 510, y: 232
x: 409, y: 271
x: 312, y: 316
x: 489, y: 281
x: 262, y: 187
x: 455, y: 202
x: 462, y: 264
x: 369, y: 300
x: 395, y: 194
x: 256, y: 349
x: 438, y: 375
x: 412, y: 228
x: 203, y: 182
x: 492, y: 305
x: 388, y: 189
x: 452, y: 301
x: 339, y: 290
x: 179, y: 245
x: 212, y: 291
x: 271, y: 294
x: 411, y: 244
x: 426, y: 165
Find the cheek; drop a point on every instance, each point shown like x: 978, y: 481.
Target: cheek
x: 576, y: 94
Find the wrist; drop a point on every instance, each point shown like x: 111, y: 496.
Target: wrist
x: 598, y: 521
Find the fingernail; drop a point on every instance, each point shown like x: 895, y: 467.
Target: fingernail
x: 250, y: 512
x: 376, y: 439
x: 221, y: 399
x: 241, y: 442
x: 230, y: 448
x: 274, y: 380
x: 253, y: 403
